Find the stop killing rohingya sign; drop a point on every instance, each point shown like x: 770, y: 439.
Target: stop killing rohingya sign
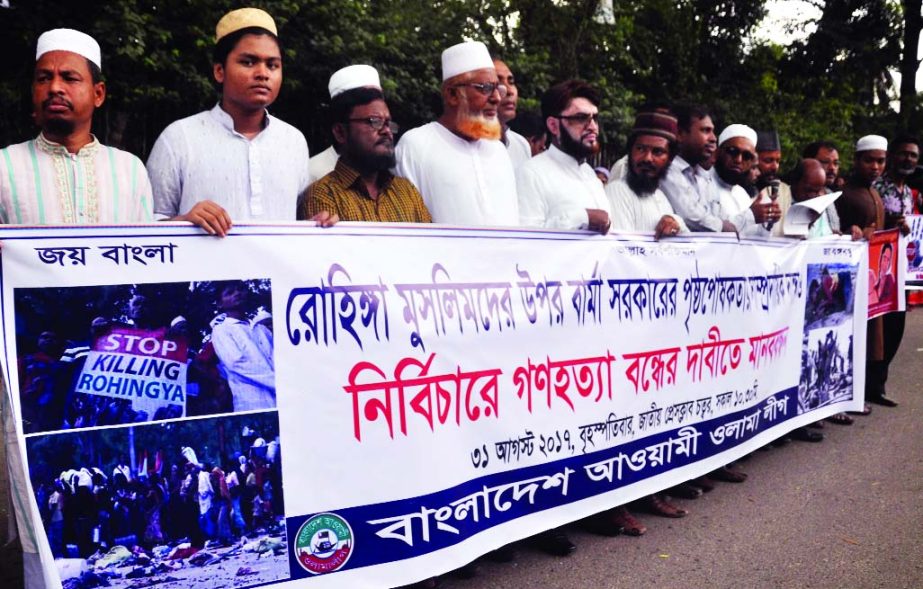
x: 138, y: 365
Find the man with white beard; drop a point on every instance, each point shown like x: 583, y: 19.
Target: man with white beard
x: 457, y: 162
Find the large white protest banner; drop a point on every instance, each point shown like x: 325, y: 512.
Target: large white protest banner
x: 383, y: 404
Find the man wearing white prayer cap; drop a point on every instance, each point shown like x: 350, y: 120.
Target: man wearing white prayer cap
x: 67, y: 88
x: 342, y: 80
x: 37, y: 187
x: 361, y: 186
x: 736, y: 155
x: 235, y: 161
x: 457, y: 162
x: 860, y: 206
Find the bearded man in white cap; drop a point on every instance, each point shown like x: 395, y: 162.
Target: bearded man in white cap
x: 361, y: 187
x: 458, y: 163
x: 736, y: 155
x: 558, y: 189
x: 234, y: 161
x: 65, y: 175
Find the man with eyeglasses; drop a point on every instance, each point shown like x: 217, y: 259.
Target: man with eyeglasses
x: 234, y: 161
x: 736, y: 155
x: 558, y: 189
x: 457, y: 162
x: 360, y: 187
x: 518, y: 146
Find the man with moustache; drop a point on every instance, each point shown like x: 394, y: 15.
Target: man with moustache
x: 897, y: 198
x: 558, y: 189
x: 457, y: 162
x: 636, y: 200
x: 736, y: 155
x: 360, y: 187
x: 518, y: 146
x: 690, y: 187
x: 826, y: 153
x: 64, y: 175
x: 769, y: 158
x: 234, y: 161
x: 860, y: 208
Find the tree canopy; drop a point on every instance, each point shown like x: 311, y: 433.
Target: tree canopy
x: 835, y: 84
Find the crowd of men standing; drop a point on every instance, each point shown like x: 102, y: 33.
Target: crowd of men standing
x: 469, y: 167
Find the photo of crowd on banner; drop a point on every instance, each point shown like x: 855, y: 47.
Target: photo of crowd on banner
x: 107, y: 355
x: 164, y: 502
x: 827, y: 347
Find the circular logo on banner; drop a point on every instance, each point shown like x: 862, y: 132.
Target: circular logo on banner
x: 323, y: 543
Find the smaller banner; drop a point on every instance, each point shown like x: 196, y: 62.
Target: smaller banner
x: 140, y: 365
x: 914, y: 254
x: 886, y: 279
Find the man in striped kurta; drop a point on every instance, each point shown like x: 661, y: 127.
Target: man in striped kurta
x: 65, y: 175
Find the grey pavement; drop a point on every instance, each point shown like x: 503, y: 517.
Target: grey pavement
x: 846, y: 513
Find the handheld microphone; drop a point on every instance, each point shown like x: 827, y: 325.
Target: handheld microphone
x: 773, y: 195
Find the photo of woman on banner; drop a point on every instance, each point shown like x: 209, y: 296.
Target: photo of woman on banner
x: 107, y: 355
x: 885, y: 282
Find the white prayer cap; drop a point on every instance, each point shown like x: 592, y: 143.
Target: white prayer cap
x: 732, y: 131
x: 870, y: 142
x: 352, y: 77
x: 84, y: 478
x: 69, y: 40
x: 465, y: 57
x: 189, y: 454
x: 177, y: 320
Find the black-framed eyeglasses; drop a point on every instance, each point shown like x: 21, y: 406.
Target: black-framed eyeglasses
x: 377, y: 123
x: 583, y: 119
x: 487, y: 89
x: 747, y: 156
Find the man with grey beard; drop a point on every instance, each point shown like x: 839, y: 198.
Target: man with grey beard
x: 458, y: 163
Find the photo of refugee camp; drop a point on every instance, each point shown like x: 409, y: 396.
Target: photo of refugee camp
x: 197, y: 501
x: 107, y: 355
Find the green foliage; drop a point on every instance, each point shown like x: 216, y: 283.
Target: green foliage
x: 158, y: 66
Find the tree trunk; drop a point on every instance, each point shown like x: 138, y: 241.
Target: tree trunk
x: 913, y: 23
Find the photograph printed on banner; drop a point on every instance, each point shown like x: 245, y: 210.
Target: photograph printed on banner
x: 827, y: 347
x: 107, y: 355
x: 197, y: 502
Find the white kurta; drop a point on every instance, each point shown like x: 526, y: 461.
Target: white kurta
x: 555, y: 191
x: 518, y: 147
x: 323, y: 163
x: 462, y: 182
x: 631, y: 212
x: 735, y: 207
x: 243, y: 359
x: 202, y: 157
